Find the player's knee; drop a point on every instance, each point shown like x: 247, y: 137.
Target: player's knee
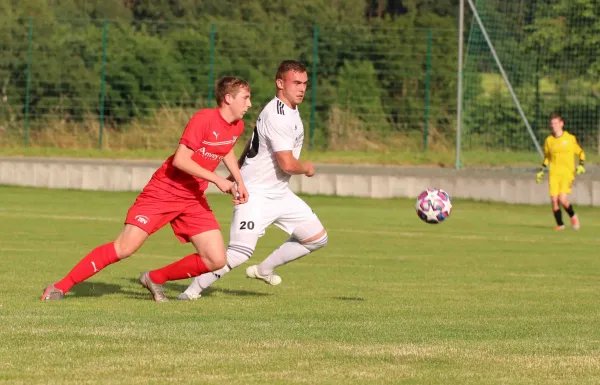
x: 125, y: 249
x: 309, y: 230
x: 564, y: 201
x: 129, y: 241
x: 319, y: 242
x: 215, y: 262
x: 311, y: 235
x: 237, y: 254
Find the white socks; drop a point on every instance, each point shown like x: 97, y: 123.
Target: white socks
x: 236, y: 255
x: 289, y: 251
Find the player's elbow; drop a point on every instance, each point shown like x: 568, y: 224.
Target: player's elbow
x: 285, y: 166
x: 181, y: 159
x: 177, y: 162
x: 181, y: 163
x: 289, y: 170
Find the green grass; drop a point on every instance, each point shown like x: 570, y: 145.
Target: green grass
x: 436, y: 158
x: 493, y: 296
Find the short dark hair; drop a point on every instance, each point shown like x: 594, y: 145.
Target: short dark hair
x: 229, y: 85
x: 557, y: 116
x: 289, y: 65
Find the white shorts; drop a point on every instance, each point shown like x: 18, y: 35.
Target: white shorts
x: 253, y: 217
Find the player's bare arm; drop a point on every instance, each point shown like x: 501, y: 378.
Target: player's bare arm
x: 183, y: 161
x: 293, y: 166
x: 240, y: 196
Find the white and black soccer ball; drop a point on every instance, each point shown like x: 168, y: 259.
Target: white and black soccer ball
x: 433, y: 206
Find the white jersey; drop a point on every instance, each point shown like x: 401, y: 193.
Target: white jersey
x: 278, y: 128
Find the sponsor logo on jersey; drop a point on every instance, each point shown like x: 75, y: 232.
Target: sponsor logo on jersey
x: 209, y: 155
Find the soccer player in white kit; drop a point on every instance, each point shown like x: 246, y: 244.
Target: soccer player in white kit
x: 268, y: 161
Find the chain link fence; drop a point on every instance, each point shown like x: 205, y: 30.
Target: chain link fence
x: 123, y: 85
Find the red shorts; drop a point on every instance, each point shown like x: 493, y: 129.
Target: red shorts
x: 154, y: 208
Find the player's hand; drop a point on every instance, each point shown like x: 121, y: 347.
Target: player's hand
x: 580, y: 170
x: 240, y: 194
x: 224, y: 185
x: 230, y: 178
x: 539, y: 177
x: 310, y: 169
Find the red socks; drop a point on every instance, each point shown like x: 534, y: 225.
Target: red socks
x: 92, y: 263
x: 102, y: 256
x: 188, y: 267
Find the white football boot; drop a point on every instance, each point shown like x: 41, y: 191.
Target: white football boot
x: 271, y: 279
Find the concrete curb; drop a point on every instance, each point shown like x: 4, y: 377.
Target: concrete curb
x: 512, y: 185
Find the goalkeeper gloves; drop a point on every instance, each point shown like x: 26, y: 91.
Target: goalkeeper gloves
x: 580, y: 169
x: 539, y: 176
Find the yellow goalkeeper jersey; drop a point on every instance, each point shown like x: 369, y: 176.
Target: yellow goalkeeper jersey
x: 559, y: 154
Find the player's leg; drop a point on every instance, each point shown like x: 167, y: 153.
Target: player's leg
x: 247, y: 225
x: 210, y: 256
x: 557, y: 213
x: 306, y: 238
x: 307, y: 235
x: 564, y: 201
x: 239, y: 251
x: 129, y: 240
x: 198, y: 225
x: 554, y: 186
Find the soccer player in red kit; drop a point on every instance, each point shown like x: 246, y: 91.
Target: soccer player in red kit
x: 175, y: 195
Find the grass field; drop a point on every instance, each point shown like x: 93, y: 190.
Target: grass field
x: 493, y: 296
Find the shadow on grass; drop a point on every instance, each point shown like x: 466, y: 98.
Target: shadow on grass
x: 240, y: 293
x: 349, y: 298
x: 95, y: 289
x: 172, y: 289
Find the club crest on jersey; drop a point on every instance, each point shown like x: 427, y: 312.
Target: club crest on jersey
x: 142, y: 219
x: 209, y: 155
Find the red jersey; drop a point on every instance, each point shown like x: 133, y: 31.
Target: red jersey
x: 211, y: 138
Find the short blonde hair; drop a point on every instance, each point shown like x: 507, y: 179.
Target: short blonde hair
x: 229, y: 85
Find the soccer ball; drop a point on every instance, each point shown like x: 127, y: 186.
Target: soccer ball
x: 433, y: 206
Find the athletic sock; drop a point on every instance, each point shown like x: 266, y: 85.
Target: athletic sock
x: 290, y: 250
x: 187, y: 267
x: 205, y: 280
x: 570, y: 211
x: 558, y: 217
x: 91, y: 264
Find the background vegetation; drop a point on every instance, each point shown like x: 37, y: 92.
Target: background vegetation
x: 385, y: 70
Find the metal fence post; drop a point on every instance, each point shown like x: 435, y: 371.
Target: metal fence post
x: 459, y: 88
x: 427, y: 86
x: 102, y: 83
x: 211, y: 69
x: 28, y: 85
x: 313, y: 107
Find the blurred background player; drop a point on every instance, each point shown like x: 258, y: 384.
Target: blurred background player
x: 175, y: 195
x: 268, y: 161
x: 560, y: 149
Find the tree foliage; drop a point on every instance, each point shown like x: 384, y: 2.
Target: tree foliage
x: 372, y: 55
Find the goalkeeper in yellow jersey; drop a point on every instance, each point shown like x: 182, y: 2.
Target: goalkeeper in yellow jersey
x: 560, y: 150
